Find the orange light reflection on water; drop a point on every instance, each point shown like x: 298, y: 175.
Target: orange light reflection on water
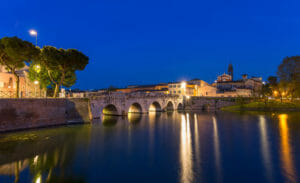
x: 286, y: 155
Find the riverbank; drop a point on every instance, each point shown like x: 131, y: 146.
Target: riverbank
x: 268, y: 107
x: 20, y: 114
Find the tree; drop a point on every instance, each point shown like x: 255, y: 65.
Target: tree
x: 289, y: 75
x: 14, y: 52
x: 272, y: 80
x: 265, y: 92
x: 39, y: 73
x: 61, y: 65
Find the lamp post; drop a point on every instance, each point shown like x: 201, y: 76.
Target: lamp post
x: 35, y: 84
x: 34, y: 33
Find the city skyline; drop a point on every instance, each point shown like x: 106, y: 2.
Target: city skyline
x: 144, y: 43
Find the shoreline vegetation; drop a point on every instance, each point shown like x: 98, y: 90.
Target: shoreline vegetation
x: 270, y: 106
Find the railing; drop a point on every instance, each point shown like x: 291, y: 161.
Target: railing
x: 117, y: 95
x: 12, y: 94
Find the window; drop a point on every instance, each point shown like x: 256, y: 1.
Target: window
x: 1, y: 84
x: 179, y: 91
x: 10, y: 83
x: 174, y: 91
x: 206, y: 93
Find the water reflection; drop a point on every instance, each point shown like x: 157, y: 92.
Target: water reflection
x: 109, y: 120
x: 217, y: 149
x: 197, y: 147
x: 197, y: 141
x: 265, y: 147
x: 286, y: 154
x: 134, y: 118
x: 186, y: 161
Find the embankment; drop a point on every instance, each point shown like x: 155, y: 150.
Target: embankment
x: 18, y: 114
x: 272, y: 106
x: 207, y: 103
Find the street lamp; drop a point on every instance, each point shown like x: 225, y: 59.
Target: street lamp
x: 34, y: 33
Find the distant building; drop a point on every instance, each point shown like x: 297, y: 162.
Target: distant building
x: 243, y: 87
x: 181, y: 88
x: 230, y: 71
x: 224, y: 77
x: 159, y: 88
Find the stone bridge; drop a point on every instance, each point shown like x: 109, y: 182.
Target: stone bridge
x: 122, y: 104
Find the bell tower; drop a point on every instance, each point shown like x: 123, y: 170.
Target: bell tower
x: 230, y: 71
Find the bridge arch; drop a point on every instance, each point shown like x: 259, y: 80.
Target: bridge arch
x: 110, y: 109
x: 135, y: 108
x: 170, y: 106
x: 180, y: 107
x: 155, y: 107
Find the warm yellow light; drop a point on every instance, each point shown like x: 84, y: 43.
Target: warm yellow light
x: 38, y: 179
x: 183, y: 84
x: 36, y: 82
x: 188, y: 97
x: 283, y: 93
x: 33, y: 32
x: 275, y: 92
x: 37, y: 68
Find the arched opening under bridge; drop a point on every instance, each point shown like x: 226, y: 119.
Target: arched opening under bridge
x: 155, y: 107
x: 180, y: 107
x: 110, y: 110
x: 135, y: 108
x: 170, y: 106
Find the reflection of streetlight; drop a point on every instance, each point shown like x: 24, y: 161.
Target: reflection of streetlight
x: 34, y: 33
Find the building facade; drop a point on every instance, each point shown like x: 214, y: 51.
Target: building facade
x: 27, y: 88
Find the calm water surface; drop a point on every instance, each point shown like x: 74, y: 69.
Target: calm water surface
x: 162, y: 147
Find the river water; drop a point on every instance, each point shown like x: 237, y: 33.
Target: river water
x: 159, y: 147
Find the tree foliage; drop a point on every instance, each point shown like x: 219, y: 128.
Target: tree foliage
x: 14, y: 52
x: 61, y: 65
x: 289, y: 75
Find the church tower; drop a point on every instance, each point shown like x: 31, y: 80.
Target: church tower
x: 230, y: 71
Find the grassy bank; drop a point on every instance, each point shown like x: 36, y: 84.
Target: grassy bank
x: 261, y: 106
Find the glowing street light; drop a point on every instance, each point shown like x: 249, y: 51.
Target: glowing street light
x: 36, y: 82
x: 183, y: 84
x: 34, y: 33
x: 37, y: 68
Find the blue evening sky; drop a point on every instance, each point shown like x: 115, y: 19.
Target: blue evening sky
x: 152, y: 41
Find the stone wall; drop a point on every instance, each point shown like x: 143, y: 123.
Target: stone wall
x: 207, y: 103
x: 16, y: 114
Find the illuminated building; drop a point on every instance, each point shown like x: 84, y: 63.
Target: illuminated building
x: 27, y: 88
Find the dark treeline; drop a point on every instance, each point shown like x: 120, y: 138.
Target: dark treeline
x: 287, y: 82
